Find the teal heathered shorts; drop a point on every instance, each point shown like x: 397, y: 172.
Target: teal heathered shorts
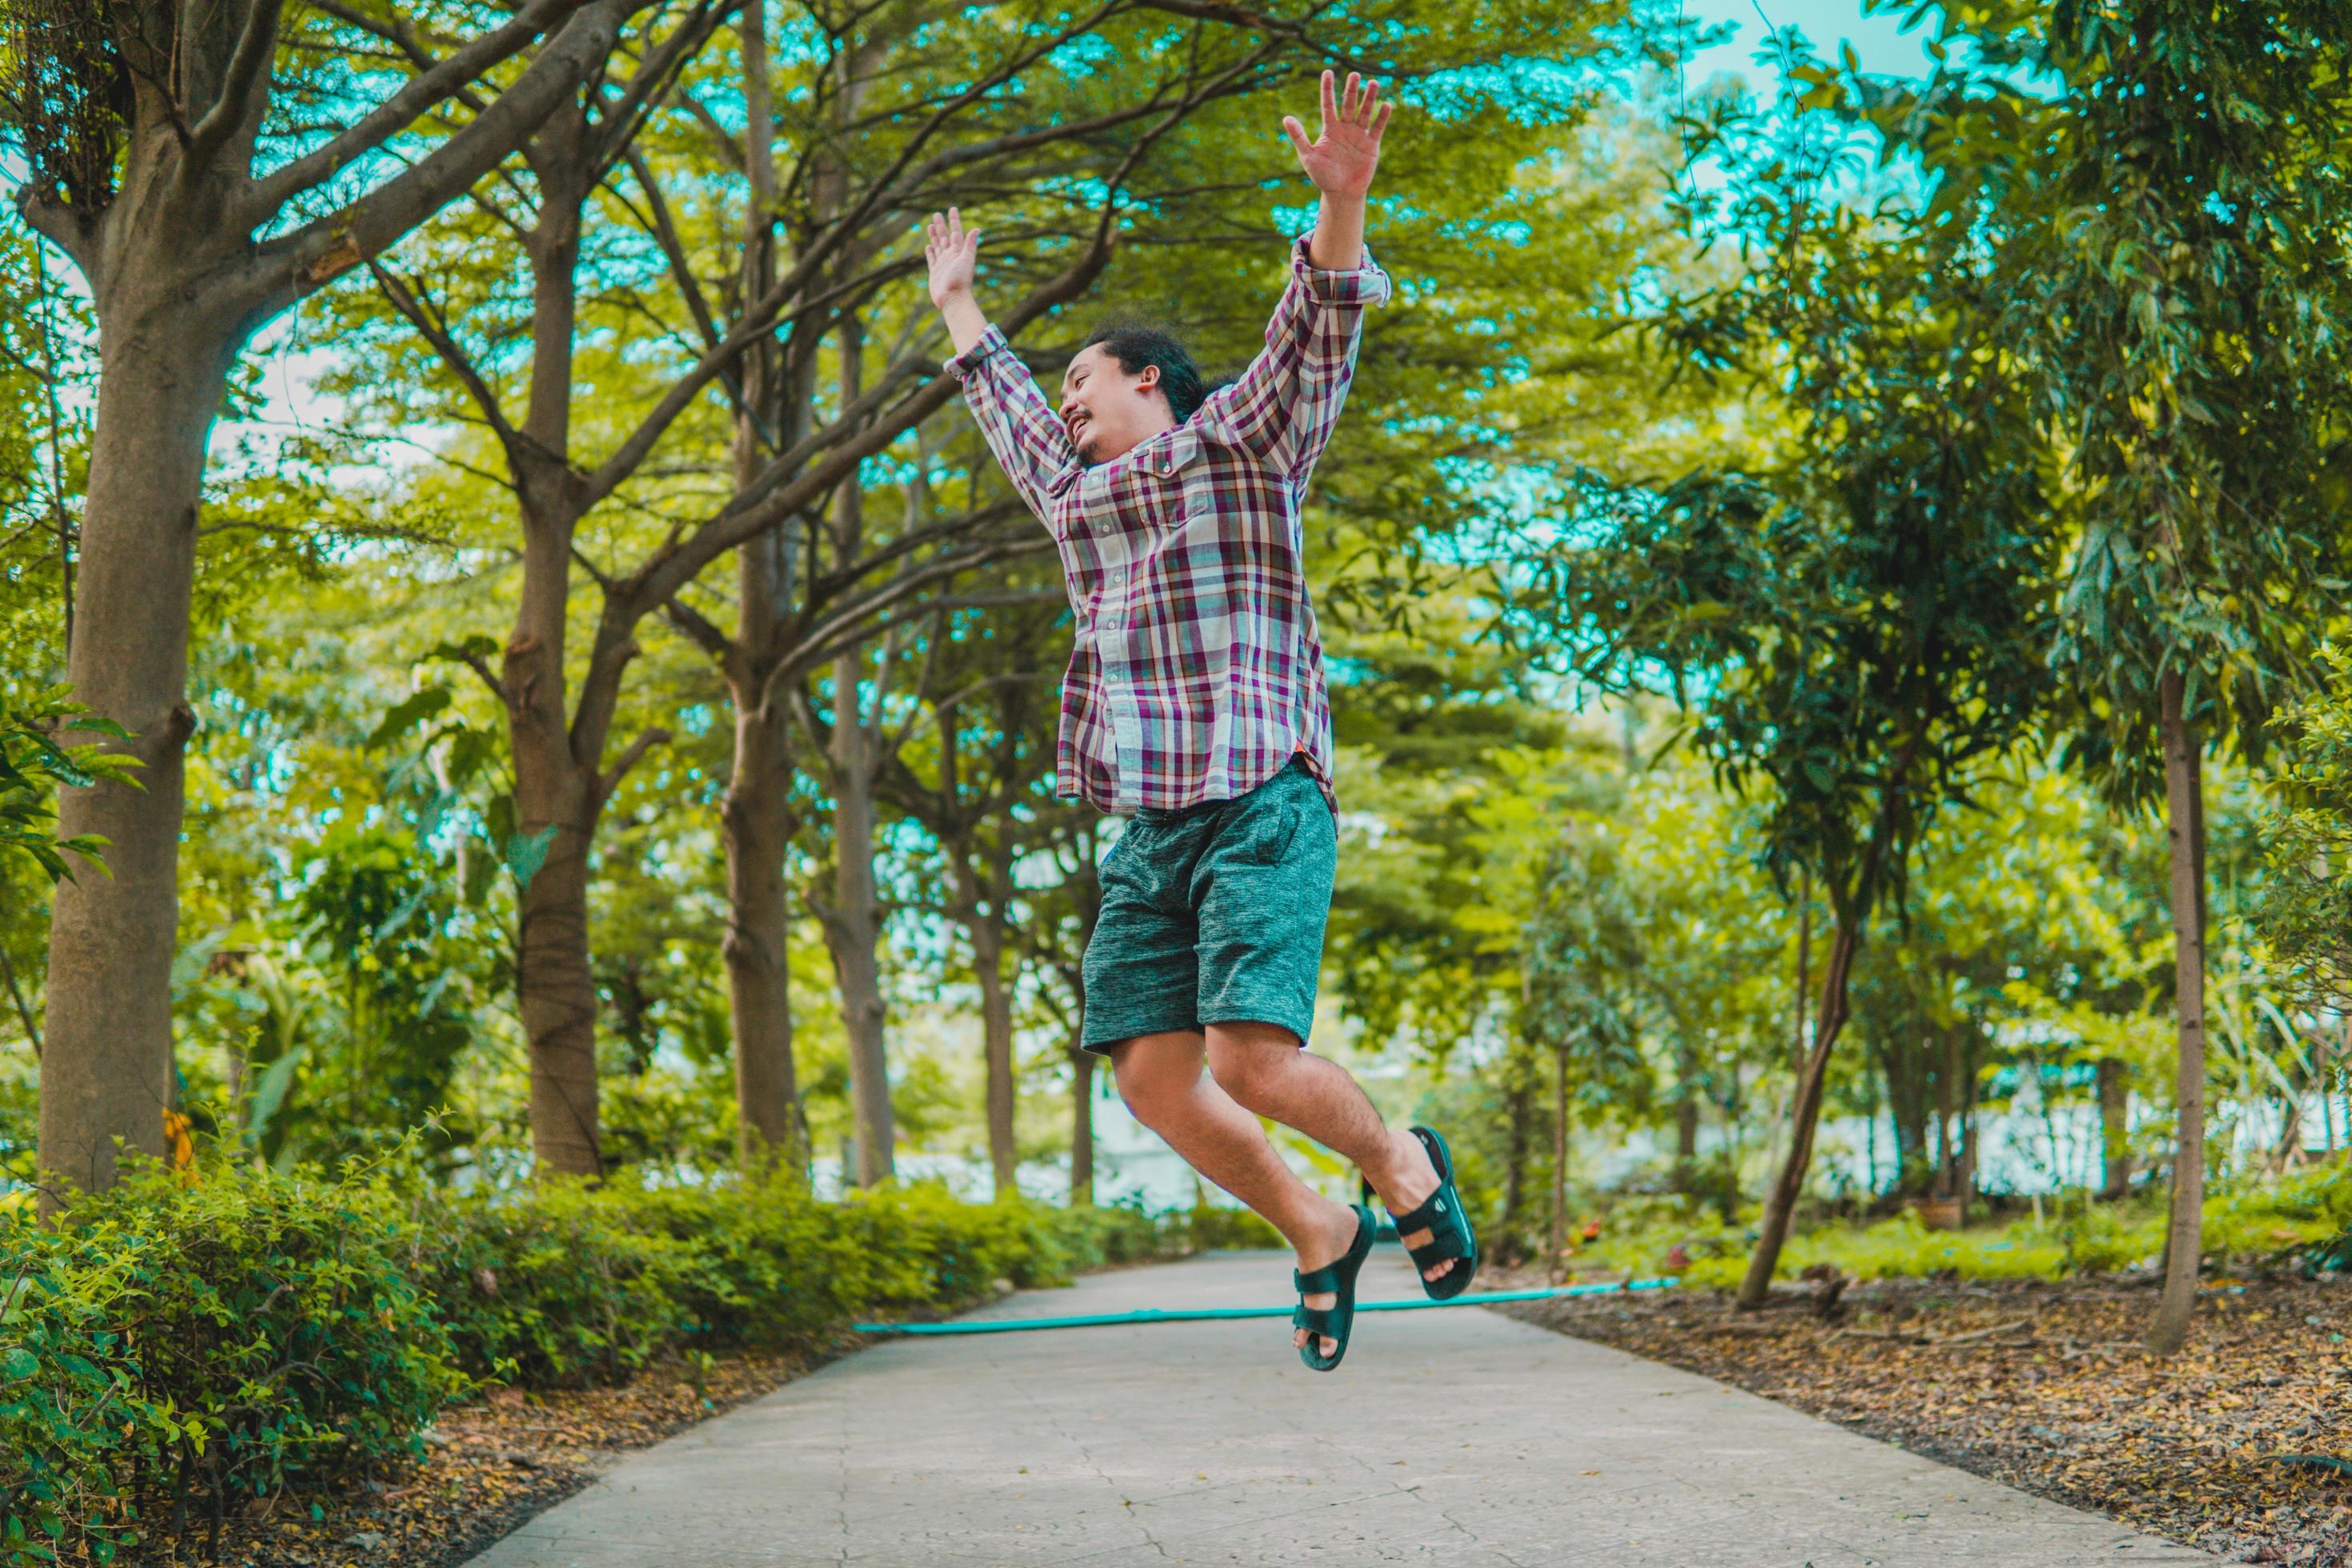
x: 1214, y: 914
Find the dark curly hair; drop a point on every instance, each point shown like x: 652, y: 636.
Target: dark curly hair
x: 1135, y: 346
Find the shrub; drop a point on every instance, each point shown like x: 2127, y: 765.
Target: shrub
x: 551, y: 1286
x: 244, y: 1329
x: 271, y: 1321
x: 67, y: 1407
x: 231, y: 1330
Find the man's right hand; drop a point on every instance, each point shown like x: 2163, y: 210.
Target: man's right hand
x: 953, y: 252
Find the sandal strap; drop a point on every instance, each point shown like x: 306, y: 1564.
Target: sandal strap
x: 1438, y: 1250
x: 1315, y: 1281
x: 1441, y: 1210
x: 1315, y: 1320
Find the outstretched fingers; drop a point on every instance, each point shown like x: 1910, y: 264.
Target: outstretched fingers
x: 947, y: 236
x: 1330, y: 102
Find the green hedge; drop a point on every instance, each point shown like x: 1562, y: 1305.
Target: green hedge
x: 189, y: 1341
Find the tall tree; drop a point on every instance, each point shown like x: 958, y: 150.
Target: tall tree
x: 177, y: 154
x: 2162, y: 203
x: 988, y: 685
x: 1852, y: 627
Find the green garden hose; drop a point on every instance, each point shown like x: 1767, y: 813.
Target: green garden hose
x: 1197, y: 1314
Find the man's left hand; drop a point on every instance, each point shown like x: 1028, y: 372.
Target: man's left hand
x: 1342, y: 159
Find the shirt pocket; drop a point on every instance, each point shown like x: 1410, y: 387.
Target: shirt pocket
x: 1176, y: 470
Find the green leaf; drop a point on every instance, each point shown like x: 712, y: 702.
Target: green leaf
x: 19, y: 1363
x: 526, y: 852
x: 406, y: 715
x: 270, y: 1092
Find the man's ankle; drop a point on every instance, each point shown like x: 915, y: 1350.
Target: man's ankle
x: 1408, y: 1167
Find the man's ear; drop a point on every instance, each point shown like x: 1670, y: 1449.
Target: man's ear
x: 1149, y: 381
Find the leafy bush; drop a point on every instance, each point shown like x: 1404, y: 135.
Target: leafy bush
x: 244, y: 1331
x: 275, y: 1325
x: 553, y: 1286
x: 66, y: 1406
x: 231, y: 1330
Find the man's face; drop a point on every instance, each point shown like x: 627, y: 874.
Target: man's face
x: 1109, y: 411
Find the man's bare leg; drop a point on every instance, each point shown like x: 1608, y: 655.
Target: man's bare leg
x: 1160, y: 1077
x: 1208, y: 1122
x: 1263, y: 1068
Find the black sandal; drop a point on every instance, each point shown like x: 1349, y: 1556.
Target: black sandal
x: 1332, y: 1322
x: 1450, y: 1237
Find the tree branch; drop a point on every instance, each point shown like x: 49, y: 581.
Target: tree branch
x: 669, y: 569
x: 248, y: 65
x: 481, y: 666
x: 871, y: 613
x: 64, y: 228
x: 435, y: 330
x: 610, y: 780
x: 438, y: 82
x: 307, y: 259
x: 654, y: 75
x: 703, y: 632
x: 401, y: 36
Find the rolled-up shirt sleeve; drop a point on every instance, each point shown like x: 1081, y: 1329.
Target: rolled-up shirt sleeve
x: 1030, y: 442
x: 1284, y: 406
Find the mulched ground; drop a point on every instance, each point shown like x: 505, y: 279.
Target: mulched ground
x: 489, y: 1465
x: 2241, y: 1445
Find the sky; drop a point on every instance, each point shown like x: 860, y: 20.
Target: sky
x: 1879, y: 41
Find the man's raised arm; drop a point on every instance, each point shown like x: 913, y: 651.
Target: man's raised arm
x: 1030, y: 443
x: 1284, y: 406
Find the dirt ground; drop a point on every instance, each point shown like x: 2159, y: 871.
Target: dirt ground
x: 2240, y: 1445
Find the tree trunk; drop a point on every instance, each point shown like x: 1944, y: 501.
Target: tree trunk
x: 985, y: 925
x: 555, y: 982
x: 854, y: 928
x: 2329, y: 1057
x: 1804, y: 958
x: 996, y: 1038
x: 1082, y: 1127
x: 1086, y: 890
x: 1947, y: 1119
x: 106, y: 1062
x: 757, y: 823
x: 1905, y: 1070
x: 1804, y: 1115
x: 2115, y: 1131
x: 757, y: 815
x: 1685, y: 1118
x: 2184, y: 800
x: 1558, y: 1259
x: 555, y: 791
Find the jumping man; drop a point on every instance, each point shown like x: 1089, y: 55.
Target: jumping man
x: 1194, y: 705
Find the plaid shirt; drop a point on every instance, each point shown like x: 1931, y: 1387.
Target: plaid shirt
x: 1198, y: 673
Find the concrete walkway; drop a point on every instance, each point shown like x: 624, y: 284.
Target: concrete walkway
x: 1454, y: 1437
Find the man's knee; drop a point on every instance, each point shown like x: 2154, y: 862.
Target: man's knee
x: 1248, y: 1059
x: 1156, y: 1074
